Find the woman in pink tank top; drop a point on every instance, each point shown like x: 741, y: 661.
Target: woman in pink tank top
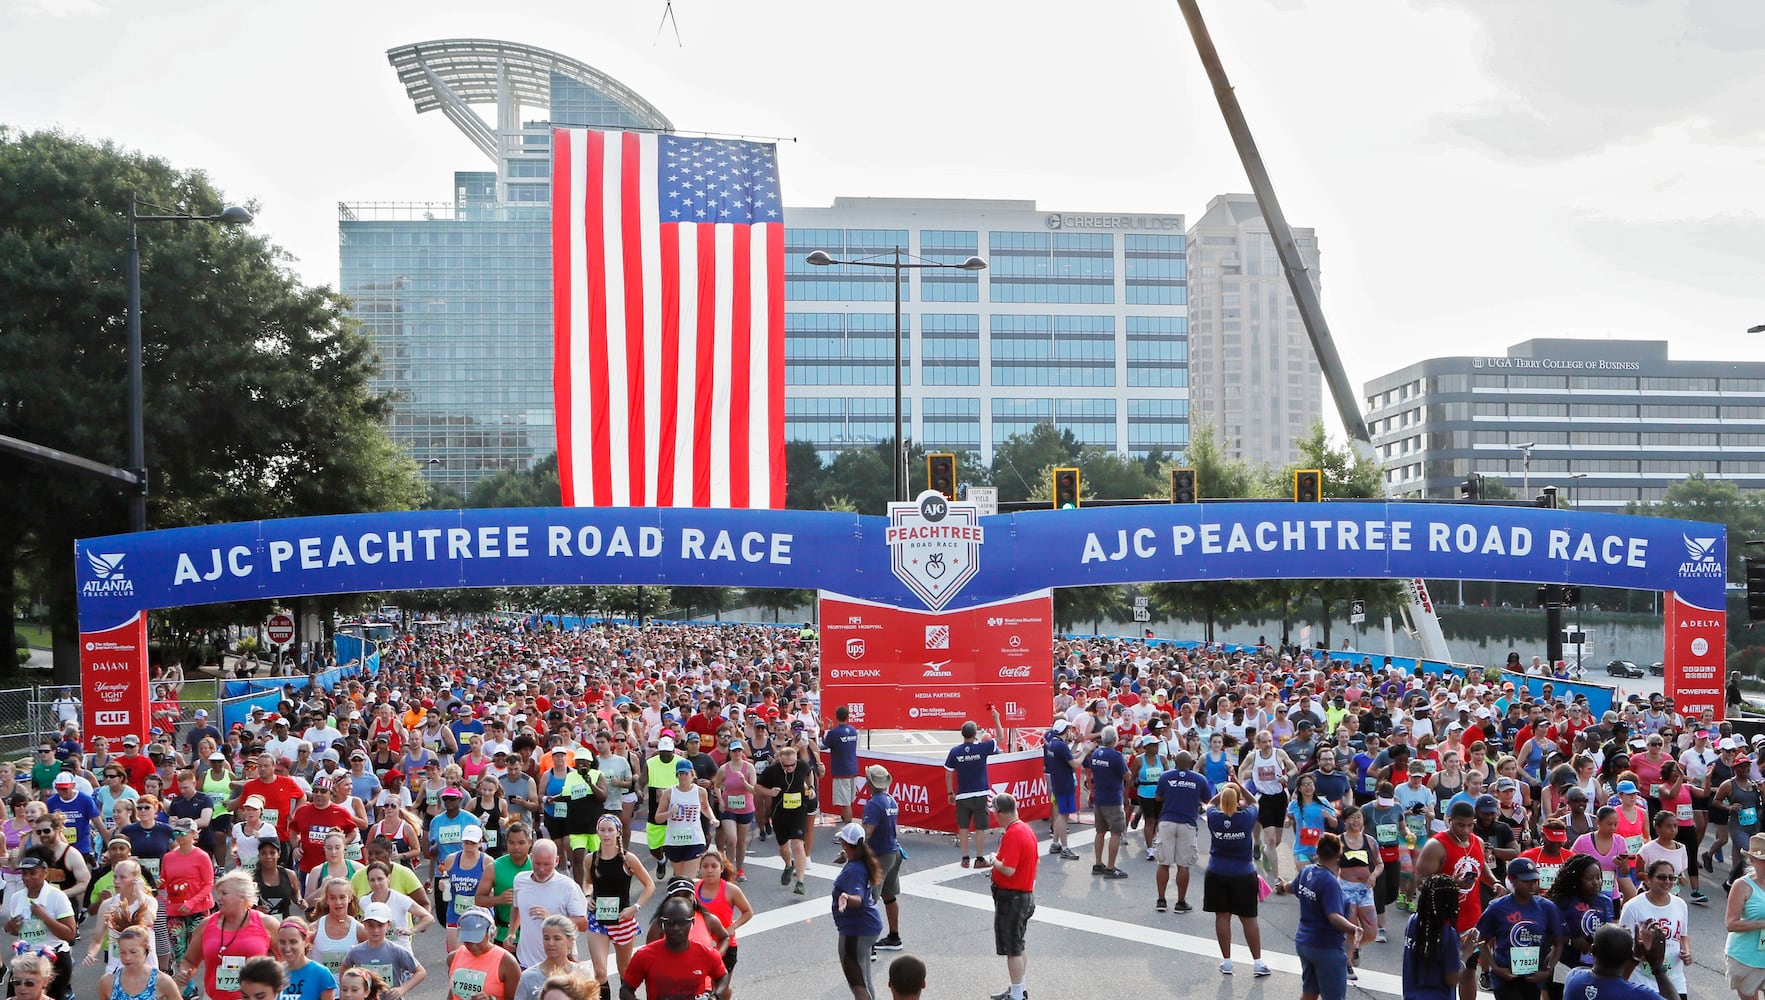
x: 232, y: 934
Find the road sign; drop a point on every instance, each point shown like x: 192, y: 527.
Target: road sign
x: 985, y: 500
x: 1357, y: 612
x: 279, y: 629
x: 1142, y: 601
x: 1142, y: 614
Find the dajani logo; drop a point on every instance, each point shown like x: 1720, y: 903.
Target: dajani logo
x: 1703, y: 559
x: 934, y: 547
x: 109, y: 578
x: 855, y: 648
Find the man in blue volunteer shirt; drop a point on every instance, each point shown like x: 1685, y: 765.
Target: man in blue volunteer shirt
x: 841, y: 744
x: 965, y: 782
x: 1181, y: 792
x: 881, y: 833
x: 1109, y: 772
x: 1521, y: 936
x: 1063, y: 786
x: 1615, y: 955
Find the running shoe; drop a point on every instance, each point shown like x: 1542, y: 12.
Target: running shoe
x: 891, y: 942
x: 1114, y: 873
x: 741, y: 875
x: 1225, y: 967
x: 784, y: 877
x: 1260, y: 968
x: 1099, y: 870
x: 661, y: 869
x: 1352, y: 977
x: 1068, y: 854
x: 1160, y: 905
x: 1381, y: 938
x: 1053, y: 848
x: 1697, y: 896
x: 965, y: 861
x: 1183, y: 906
x: 799, y: 889
x: 1709, y: 863
x: 1150, y: 856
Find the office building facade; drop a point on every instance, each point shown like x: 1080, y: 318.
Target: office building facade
x: 1079, y: 319
x: 1607, y: 422
x: 1254, y: 376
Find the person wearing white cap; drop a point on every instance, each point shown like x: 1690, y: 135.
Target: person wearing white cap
x: 391, y: 961
x: 460, y: 877
x: 1062, y: 769
x: 855, y: 915
x: 480, y: 969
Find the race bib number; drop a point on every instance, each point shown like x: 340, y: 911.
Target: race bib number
x: 448, y: 835
x: 333, y: 960
x: 1547, y: 875
x: 32, y: 931
x: 1309, y: 836
x: 150, y: 866
x: 273, y: 816
x: 1371, y: 783
x: 1523, y: 961
x: 1429, y: 766
x: 382, y: 969
x: 226, y: 977
x: 606, y: 910
x: 1749, y: 816
x: 1654, y: 791
x: 353, y: 850
x: 1385, y: 833
x: 1633, y: 845
x: 791, y: 800
x: 1682, y: 812
x: 737, y: 803
x: 71, y: 833
x: 468, y: 983
x: 560, y: 808
x: 249, y: 864
x: 1609, y: 883
x: 490, y: 833
x: 1418, y: 824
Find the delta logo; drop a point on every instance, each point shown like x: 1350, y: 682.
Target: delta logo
x: 1703, y: 557
x: 109, y: 580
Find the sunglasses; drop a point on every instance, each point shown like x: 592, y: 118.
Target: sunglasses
x: 1661, y: 878
x: 44, y: 832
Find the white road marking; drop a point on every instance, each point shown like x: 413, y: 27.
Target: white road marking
x: 931, y: 885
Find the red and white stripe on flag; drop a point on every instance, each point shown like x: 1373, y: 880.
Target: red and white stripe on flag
x: 668, y: 306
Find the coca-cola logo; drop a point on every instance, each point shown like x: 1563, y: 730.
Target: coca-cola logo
x: 1023, y: 671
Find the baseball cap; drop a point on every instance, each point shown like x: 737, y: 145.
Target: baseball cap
x: 676, y: 886
x: 682, y: 765
x: 358, y: 754
x: 1728, y: 743
x: 1060, y: 725
x: 665, y: 743
x: 202, y: 713
x: 254, y: 801
x: 377, y: 912
x: 473, y: 833
x: 1487, y: 804
x: 1506, y: 785
x: 452, y: 793
x: 64, y: 780
x: 851, y: 833
x: 131, y: 740
x: 1555, y: 835
x: 31, y: 861
x: 217, y: 755
x: 1626, y: 788
x: 475, y: 925
x: 1522, y: 870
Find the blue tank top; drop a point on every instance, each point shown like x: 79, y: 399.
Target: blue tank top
x: 463, y: 885
x: 116, y: 986
x: 1218, y: 771
x: 1148, y: 779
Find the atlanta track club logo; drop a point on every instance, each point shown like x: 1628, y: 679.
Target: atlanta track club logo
x: 934, y: 546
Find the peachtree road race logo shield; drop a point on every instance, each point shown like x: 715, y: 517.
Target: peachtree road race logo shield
x: 934, y: 546
x: 111, y: 580
x: 1702, y: 558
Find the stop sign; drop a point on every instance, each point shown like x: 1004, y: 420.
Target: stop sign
x: 279, y: 629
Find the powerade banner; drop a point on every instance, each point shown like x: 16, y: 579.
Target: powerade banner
x: 940, y: 558
x: 901, y: 669
x: 1697, y: 648
x: 918, y: 787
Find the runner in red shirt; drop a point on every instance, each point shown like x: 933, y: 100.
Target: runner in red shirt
x: 279, y: 792
x: 1459, y: 854
x: 1014, y: 884
x: 675, y: 966
x: 136, y: 766
x: 316, y: 820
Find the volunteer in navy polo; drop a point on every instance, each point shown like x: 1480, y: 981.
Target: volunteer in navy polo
x: 882, y: 833
x: 1062, y: 769
x: 965, y: 782
x: 1522, y: 935
x: 1182, y: 791
x: 841, y: 744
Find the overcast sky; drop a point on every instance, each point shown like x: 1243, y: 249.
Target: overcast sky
x: 1479, y: 171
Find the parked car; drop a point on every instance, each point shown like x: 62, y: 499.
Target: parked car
x: 1658, y: 668
x: 1623, y: 668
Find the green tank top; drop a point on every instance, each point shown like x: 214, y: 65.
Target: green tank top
x: 219, y: 790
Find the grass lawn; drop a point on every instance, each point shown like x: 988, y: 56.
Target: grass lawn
x: 36, y: 636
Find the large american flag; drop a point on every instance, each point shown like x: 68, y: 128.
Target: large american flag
x: 668, y: 298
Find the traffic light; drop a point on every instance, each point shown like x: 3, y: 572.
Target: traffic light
x: 940, y: 473
x: 1551, y: 595
x: 1183, y: 486
x: 1066, y: 489
x: 1571, y: 596
x: 1547, y: 499
x: 1308, y: 486
x: 1755, y: 589
x: 1472, y: 487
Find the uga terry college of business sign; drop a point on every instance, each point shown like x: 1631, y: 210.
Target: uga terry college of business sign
x: 934, y: 546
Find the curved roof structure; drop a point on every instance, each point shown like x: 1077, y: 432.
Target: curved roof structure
x: 449, y: 75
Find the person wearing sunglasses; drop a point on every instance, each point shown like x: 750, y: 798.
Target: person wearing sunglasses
x: 42, y: 918
x: 1658, y: 907
x: 677, y: 964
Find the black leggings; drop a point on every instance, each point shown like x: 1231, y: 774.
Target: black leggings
x: 855, y: 961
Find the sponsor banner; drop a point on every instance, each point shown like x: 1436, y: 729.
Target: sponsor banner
x: 113, y: 681
x: 918, y: 788
x: 1697, y: 658
x: 938, y: 555
x: 900, y: 669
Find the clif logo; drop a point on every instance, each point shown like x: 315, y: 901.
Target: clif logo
x: 110, y: 718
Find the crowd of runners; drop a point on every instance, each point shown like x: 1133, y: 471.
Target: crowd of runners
x: 526, y: 792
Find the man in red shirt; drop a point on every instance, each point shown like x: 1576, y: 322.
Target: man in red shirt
x: 675, y: 966
x: 279, y: 792
x: 315, y: 821
x: 1014, y: 886
x: 705, y: 722
x: 136, y: 766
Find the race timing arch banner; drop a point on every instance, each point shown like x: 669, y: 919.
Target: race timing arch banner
x: 931, y: 555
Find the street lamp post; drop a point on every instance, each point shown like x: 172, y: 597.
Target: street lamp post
x: 1526, y: 468
x: 232, y: 215
x: 893, y: 261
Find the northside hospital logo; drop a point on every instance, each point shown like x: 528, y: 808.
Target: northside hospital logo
x: 934, y: 547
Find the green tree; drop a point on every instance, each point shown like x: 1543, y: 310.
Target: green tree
x: 1021, y: 461
x: 635, y: 602
x: 1213, y: 602
x: 1718, y: 502
x: 1091, y: 605
x: 778, y: 600
x: 535, y: 487
x: 257, y: 397
x: 1113, y: 476
x: 695, y: 601
x: 803, y: 472
x: 861, y: 477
